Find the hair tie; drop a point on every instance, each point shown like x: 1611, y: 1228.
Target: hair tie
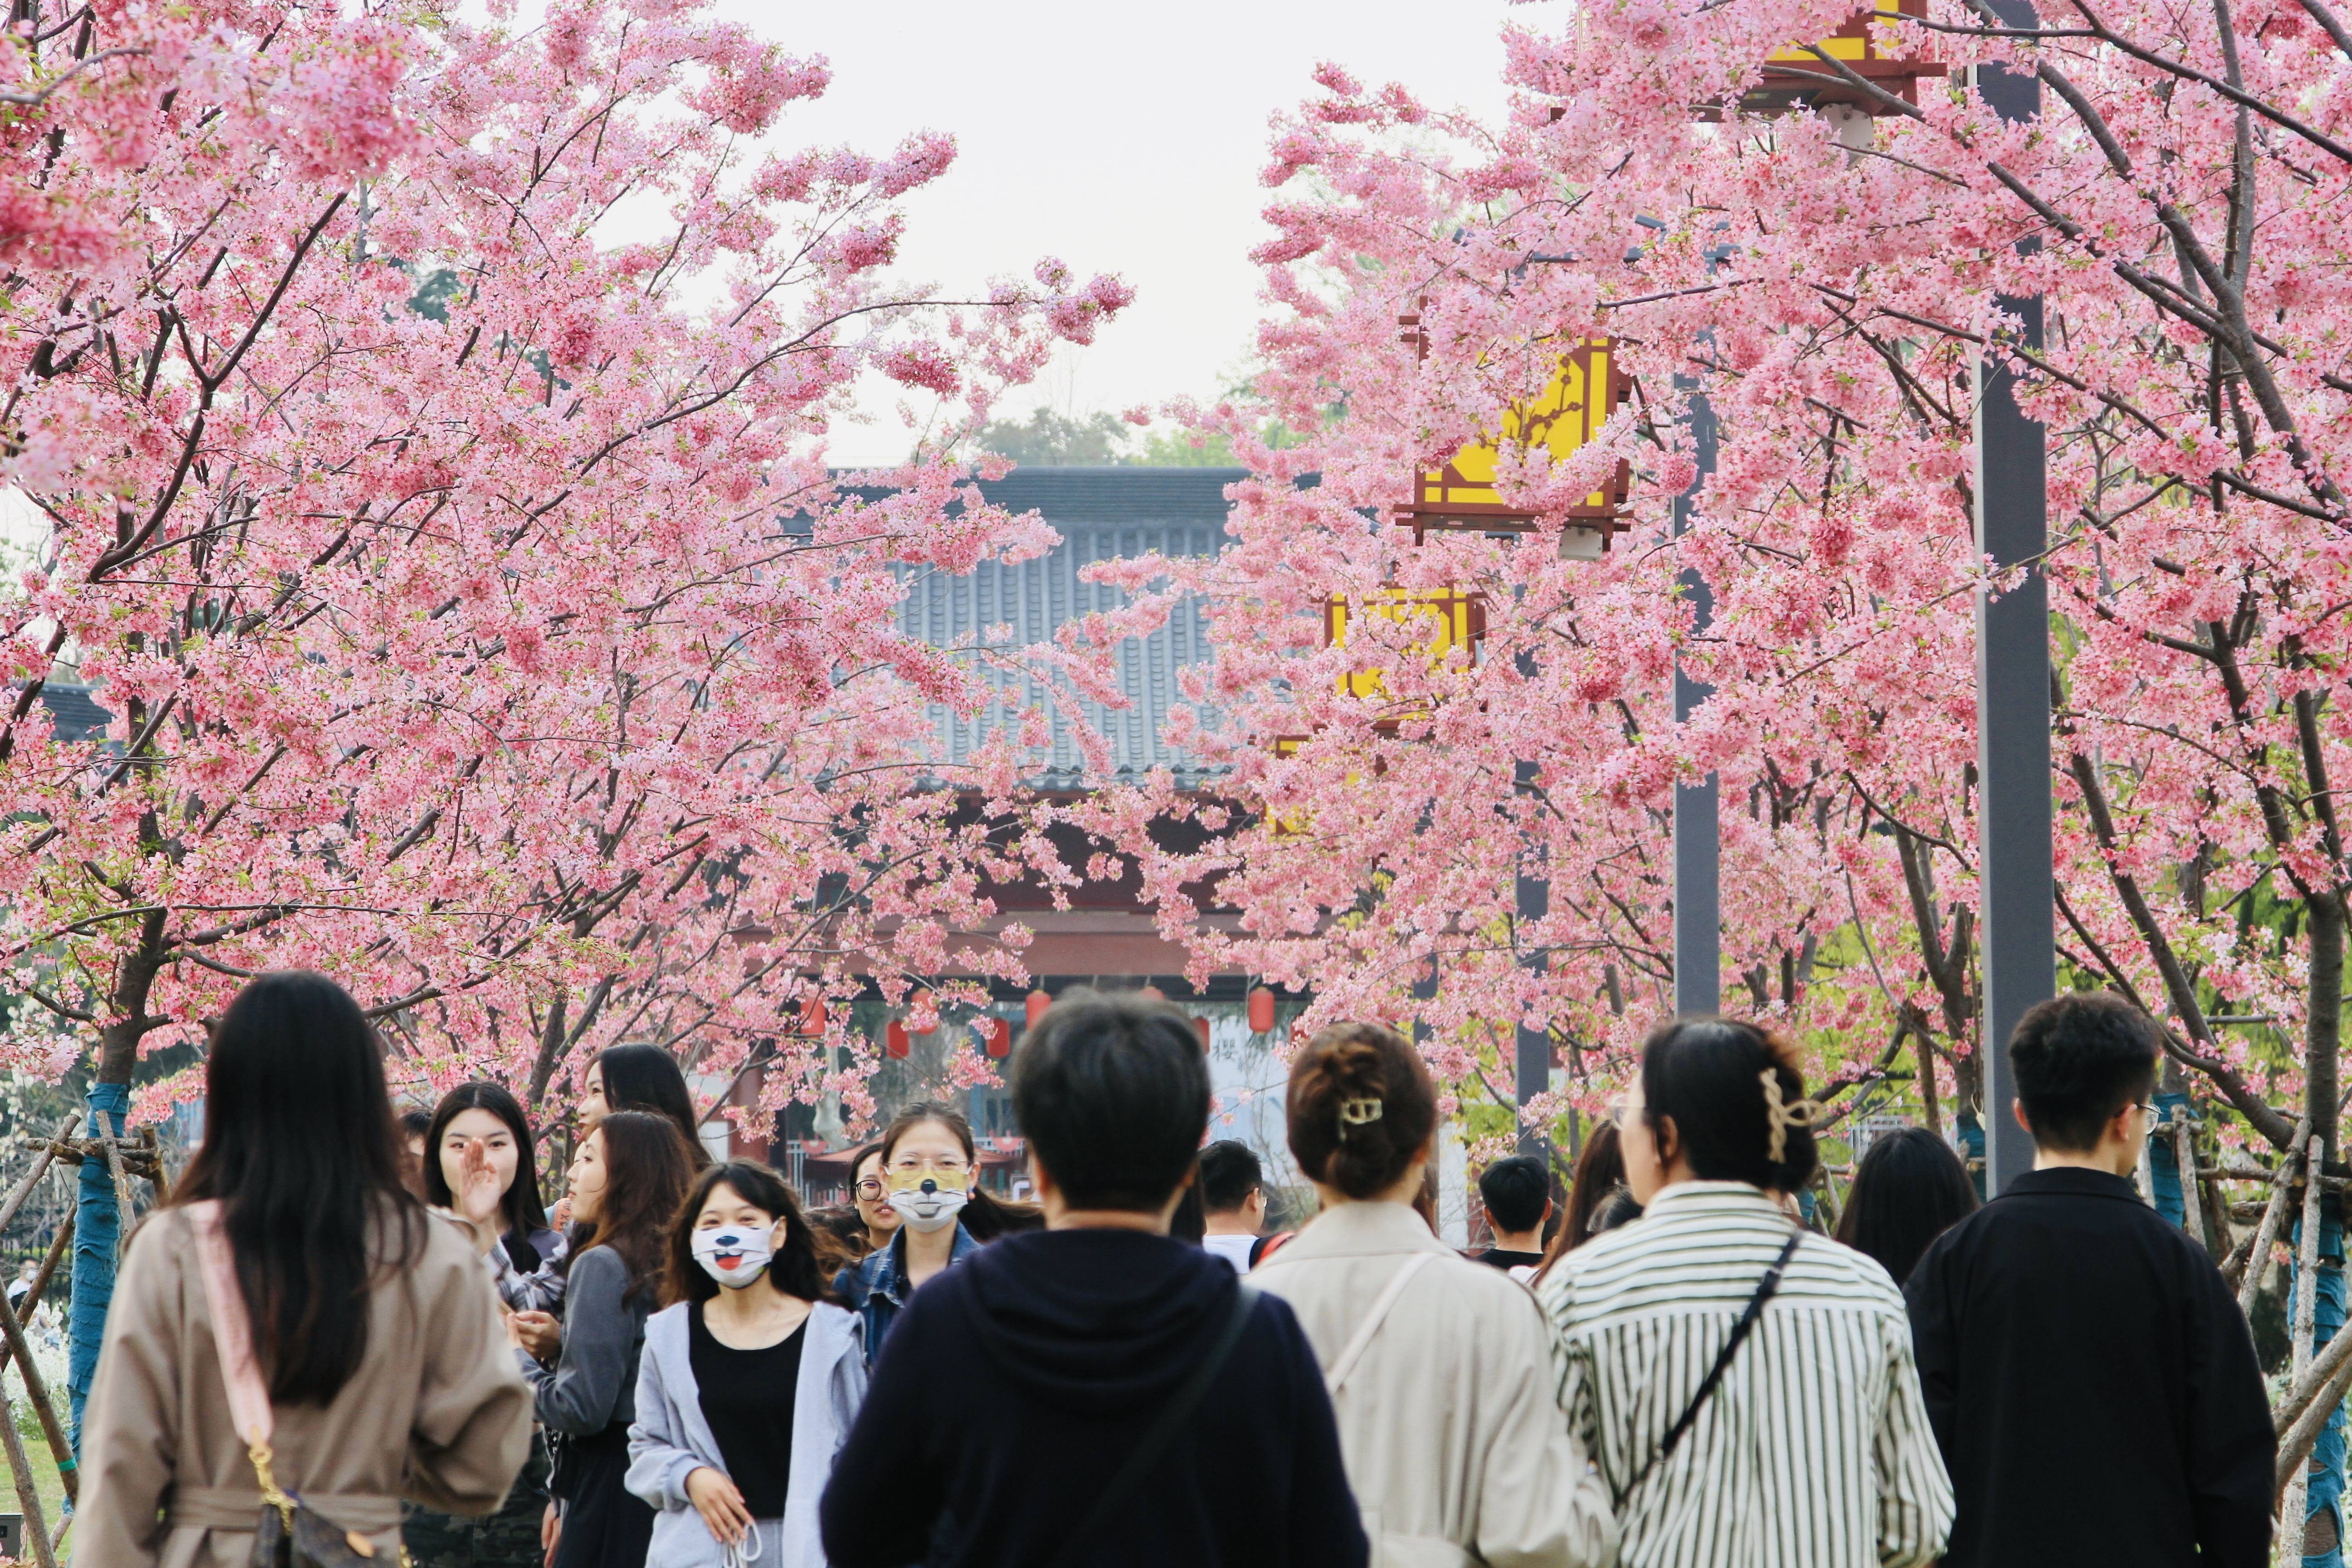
x: 1360, y: 1113
x: 1781, y: 1117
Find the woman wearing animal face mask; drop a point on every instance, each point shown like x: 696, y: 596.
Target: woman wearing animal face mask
x: 930, y: 1174
x: 748, y: 1384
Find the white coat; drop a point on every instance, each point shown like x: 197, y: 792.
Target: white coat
x: 669, y: 1440
x: 1449, y: 1424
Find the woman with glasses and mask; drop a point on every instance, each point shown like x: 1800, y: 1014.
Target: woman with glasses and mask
x: 928, y: 1167
x: 1747, y: 1390
x: 873, y: 1198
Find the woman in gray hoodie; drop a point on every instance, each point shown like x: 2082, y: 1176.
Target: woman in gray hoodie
x: 747, y: 1383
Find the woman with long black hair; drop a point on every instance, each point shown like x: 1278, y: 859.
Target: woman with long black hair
x: 481, y: 1171
x: 642, y: 1077
x: 380, y: 1365
x: 627, y: 1179
x: 749, y: 1382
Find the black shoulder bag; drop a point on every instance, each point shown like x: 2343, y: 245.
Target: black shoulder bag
x: 1766, y: 1289
x: 1174, y: 1416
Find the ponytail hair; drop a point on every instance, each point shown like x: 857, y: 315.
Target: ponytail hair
x: 1361, y: 1107
x: 1738, y: 1102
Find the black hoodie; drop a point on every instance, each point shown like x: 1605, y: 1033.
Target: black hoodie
x: 1014, y: 1385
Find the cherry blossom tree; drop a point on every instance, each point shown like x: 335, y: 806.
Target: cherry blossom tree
x: 1827, y: 286
x: 428, y: 414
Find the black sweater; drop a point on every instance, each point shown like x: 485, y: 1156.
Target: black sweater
x: 1016, y: 1384
x: 2091, y: 1384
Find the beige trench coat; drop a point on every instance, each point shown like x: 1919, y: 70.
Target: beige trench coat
x: 438, y: 1412
x: 1453, y: 1436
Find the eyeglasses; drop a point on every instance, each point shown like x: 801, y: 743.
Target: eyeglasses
x: 870, y: 1189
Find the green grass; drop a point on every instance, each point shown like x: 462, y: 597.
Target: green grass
x: 49, y: 1486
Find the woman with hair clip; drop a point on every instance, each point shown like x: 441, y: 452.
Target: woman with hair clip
x: 1437, y: 1367
x: 627, y: 1179
x: 748, y: 1383
x: 481, y: 1172
x: 929, y: 1168
x: 355, y: 1331
x: 1747, y: 1390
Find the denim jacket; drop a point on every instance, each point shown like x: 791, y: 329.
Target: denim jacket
x: 876, y: 1286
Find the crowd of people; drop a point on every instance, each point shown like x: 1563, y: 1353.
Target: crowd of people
x: 681, y: 1366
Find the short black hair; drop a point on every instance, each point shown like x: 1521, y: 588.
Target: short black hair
x: 1230, y: 1172
x: 1112, y: 1092
x: 1515, y: 1191
x: 2080, y: 1058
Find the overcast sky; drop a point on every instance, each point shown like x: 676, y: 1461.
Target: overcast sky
x: 1120, y: 138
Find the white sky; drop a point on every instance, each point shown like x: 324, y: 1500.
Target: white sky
x: 1121, y: 138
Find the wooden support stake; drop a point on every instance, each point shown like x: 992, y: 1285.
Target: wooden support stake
x: 36, y: 1530
x: 44, y: 1410
x: 2266, y: 1236
x: 2306, y: 1267
x: 2184, y: 1160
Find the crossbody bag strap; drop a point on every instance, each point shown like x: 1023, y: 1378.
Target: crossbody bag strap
x: 1766, y: 1289
x: 241, y: 1380
x: 1154, y: 1445
x: 1362, y: 1341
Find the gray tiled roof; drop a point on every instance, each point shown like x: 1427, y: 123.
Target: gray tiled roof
x: 1101, y: 514
x: 73, y: 712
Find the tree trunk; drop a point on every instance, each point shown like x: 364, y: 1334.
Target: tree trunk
x: 98, y: 1222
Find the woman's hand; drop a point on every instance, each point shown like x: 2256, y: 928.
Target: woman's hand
x: 550, y: 1529
x: 477, y: 1200
x: 719, y: 1504
x: 539, y: 1334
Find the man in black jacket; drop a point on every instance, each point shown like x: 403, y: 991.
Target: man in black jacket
x: 1005, y: 1423
x: 2089, y: 1377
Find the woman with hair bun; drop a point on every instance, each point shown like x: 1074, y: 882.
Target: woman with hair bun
x: 1747, y: 1390
x: 1437, y: 1367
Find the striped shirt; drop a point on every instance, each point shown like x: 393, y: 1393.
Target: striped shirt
x: 1814, y: 1451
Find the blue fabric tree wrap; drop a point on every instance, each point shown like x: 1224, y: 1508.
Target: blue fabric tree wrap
x: 2164, y: 1159
x: 1972, y: 1148
x: 98, y: 1233
x: 2324, y: 1478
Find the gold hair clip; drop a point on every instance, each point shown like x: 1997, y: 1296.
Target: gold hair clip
x: 1360, y: 1113
x: 1781, y: 1117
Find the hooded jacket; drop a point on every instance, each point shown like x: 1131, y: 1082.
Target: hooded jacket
x: 1018, y: 1381
x: 670, y: 1439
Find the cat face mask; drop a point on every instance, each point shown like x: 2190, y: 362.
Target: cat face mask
x: 732, y: 1255
x: 927, y: 1197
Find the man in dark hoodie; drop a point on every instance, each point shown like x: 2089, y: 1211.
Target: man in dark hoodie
x: 1096, y: 1394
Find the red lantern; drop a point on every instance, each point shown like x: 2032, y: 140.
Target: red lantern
x: 1261, y: 1010
x: 1200, y: 1028
x: 894, y: 1039
x: 1038, y: 1003
x: 999, y: 1037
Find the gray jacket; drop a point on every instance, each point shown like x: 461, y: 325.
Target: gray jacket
x: 671, y: 1440
x: 593, y: 1386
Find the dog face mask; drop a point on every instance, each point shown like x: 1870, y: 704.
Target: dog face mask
x: 928, y: 1198
x: 732, y: 1255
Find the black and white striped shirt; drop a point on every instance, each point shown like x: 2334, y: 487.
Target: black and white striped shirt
x: 1814, y: 1451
